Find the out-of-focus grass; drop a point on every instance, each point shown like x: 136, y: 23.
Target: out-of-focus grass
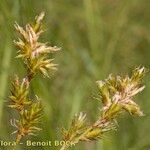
x: 97, y: 37
x: 5, y: 54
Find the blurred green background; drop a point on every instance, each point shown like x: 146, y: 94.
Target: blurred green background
x: 98, y: 37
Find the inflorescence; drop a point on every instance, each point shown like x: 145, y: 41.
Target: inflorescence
x: 35, y: 56
x: 117, y: 96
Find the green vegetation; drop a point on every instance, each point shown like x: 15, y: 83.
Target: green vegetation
x: 97, y: 38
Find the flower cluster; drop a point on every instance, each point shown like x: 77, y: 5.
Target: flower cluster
x: 29, y: 119
x: 33, y: 52
x: 19, y: 92
x: 80, y: 131
x: 116, y: 94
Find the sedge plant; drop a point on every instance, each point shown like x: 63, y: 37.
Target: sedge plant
x: 117, y: 96
x: 35, y: 56
x: 116, y: 92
